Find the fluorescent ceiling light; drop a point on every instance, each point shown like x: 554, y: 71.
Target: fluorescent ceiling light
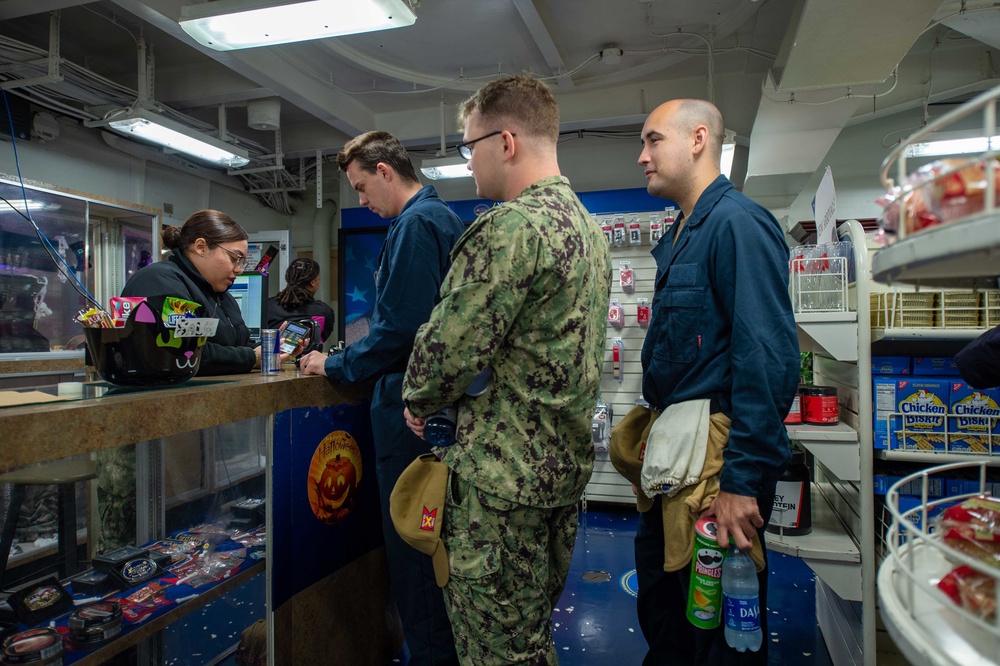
x: 225, y: 25
x: 148, y: 126
x: 441, y: 168
x: 979, y: 144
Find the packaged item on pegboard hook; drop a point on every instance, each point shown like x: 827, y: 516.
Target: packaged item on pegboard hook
x: 606, y: 228
x: 634, y: 231
x: 626, y: 277
x: 600, y: 428
x: 616, y: 314
x: 617, y: 350
x: 655, y: 228
x: 619, y: 231
x: 642, y: 312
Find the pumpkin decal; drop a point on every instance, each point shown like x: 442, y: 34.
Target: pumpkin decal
x: 334, y: 475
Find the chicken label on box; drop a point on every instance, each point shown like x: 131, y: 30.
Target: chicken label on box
x: 910, y: 413
x: 973, y: 418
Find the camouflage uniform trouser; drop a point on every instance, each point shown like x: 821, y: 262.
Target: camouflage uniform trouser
x: 508, y: 567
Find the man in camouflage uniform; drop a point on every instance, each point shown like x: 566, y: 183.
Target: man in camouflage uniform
x: 527, y: 295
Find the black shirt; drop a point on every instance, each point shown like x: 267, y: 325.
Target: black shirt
x: 228, y: 352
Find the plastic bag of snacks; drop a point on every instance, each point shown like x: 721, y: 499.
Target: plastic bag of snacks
x: 973, y: 528
x: 972, y: 590
x: 938, y: 193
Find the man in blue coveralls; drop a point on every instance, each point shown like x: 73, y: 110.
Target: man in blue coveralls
x: 411, y: 267
x: 722, y: 330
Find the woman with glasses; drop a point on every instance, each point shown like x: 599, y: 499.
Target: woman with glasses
x: 207, y: 254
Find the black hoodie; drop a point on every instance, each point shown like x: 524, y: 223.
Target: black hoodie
x: 228, y: 352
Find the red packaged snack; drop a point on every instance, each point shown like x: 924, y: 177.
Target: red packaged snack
x: 972, y: 590
x: 973, y: 527
x: 961, y: 193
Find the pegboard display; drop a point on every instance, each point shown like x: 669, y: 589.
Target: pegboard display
x: 606, y: 485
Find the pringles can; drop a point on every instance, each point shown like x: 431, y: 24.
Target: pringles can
x: 704, y: 606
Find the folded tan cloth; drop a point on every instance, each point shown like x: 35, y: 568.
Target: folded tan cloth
x: 681, y: 511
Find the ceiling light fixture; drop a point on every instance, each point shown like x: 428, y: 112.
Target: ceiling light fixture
x: 441, y: 168
x: 978, y: 144
x: 149, y: 126
x: 225, y: 25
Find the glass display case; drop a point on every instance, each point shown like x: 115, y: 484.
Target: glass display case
x: 54, y: 247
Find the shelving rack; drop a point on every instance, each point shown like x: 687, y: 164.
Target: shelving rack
x: 845, y: 547
x: 963, y: 253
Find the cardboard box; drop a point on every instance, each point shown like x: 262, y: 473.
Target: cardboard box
x: 935, y: 366
x: 972, y: 419
x: 890, y: 365
x: 910, y: 413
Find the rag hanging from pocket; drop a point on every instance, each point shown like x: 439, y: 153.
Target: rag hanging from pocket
x: 675, y: 449
x: 681, y: 510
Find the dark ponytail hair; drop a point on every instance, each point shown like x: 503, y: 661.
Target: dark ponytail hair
x: 298, y: 275
x: 214, y: 226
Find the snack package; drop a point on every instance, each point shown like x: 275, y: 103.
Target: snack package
x: 121, y: 307
x: 972, y: 590
x: 961, y: 193
x: 177, y: 308
x: 938, y: 193
x: 973, y: 527
x: 94, y: 318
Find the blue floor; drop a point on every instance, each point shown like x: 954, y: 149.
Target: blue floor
x: 595, y: 622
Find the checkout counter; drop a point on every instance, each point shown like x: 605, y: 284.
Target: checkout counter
x: 196, y: 450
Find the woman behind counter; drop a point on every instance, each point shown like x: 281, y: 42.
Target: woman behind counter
x: 298, y: 299
x: 208, y: 253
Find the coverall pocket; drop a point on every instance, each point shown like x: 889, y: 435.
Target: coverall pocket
x: 681, y: 311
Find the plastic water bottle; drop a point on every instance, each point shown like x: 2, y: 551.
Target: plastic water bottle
x: 740, y: 602
x: 439, y: 428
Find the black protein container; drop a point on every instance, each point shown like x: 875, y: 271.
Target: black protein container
x: 792, y: 511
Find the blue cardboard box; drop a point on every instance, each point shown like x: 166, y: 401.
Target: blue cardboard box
x: 910, y: 413
x: 934, y: 366
x: 890, y: 365
x: 972, y: 419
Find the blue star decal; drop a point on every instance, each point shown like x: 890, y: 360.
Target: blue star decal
x: 358, y: 295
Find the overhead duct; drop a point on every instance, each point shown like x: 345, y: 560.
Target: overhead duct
x: 830, y: 44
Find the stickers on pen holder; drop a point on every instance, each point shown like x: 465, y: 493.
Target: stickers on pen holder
x: 200, y: 327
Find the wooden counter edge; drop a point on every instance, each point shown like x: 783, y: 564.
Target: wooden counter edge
x: 35, y: 433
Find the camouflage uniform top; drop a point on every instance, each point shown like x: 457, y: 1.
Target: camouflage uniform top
x: 527, y: 294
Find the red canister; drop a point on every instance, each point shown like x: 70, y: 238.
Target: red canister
x: 795, y: 413
x: 819, y: 405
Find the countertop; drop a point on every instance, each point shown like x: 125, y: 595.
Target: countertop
x: 35, y: 433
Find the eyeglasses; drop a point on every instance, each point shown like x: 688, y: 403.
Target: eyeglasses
x: 237, y: 257
x: 465, y: 149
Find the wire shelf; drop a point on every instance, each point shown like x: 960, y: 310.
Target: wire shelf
x: 933, y: 628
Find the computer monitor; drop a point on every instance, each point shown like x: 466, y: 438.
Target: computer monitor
x: 250, y: 291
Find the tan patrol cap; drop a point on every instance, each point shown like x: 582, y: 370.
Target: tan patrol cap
x: 416, y: 506
x: 628, y: 449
